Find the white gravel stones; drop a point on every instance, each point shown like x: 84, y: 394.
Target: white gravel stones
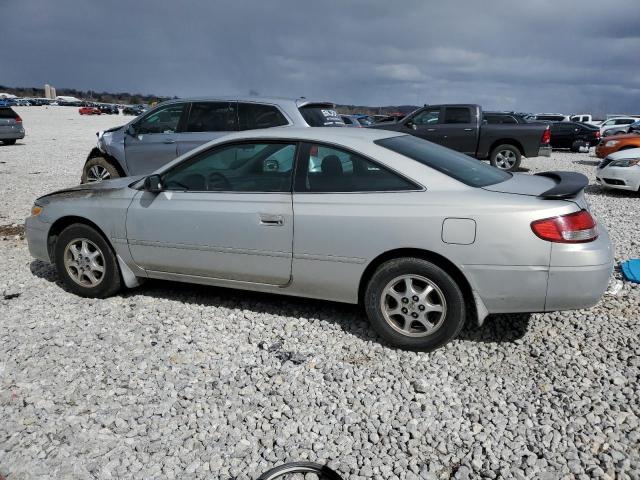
x: 182, y: 381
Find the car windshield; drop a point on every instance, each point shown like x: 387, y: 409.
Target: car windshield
x: 319, y: 116
x: 456, y: 165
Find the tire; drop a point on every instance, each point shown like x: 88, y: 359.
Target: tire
x: 97, y: 169
x: 9, y: 142
x: 506, y: 157
x: 323, y: 472
x: 575, y: 146
x: 407, y: 327
x: 74, y: 265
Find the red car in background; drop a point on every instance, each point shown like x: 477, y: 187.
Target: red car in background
x: 89, y: 111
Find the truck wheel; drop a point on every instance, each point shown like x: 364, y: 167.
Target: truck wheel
x: 506, y: 157
x: 97, y: 169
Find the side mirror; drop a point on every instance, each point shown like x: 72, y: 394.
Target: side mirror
x: 131, y: 131
x: 411, y: 125
x: 153, y: 184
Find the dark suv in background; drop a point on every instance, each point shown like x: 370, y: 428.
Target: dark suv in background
x: 177, y: 126
x: 11, y: 128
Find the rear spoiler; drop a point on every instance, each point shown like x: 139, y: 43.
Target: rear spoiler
x: 569, y: 184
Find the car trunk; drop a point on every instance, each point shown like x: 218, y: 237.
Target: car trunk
x: 8, y: 120
x: 546, y: 185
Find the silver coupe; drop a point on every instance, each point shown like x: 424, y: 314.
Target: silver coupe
x: 418, y: 234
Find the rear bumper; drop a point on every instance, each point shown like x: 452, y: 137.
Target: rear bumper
x: 544, y: 151
x: 14, y: 134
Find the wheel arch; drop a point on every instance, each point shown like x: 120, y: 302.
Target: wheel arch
x: 506, y: 141
x: 96, y: 152
x: 63, y: 222
x: 435, y: 258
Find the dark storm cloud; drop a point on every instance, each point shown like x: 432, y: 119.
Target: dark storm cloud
x: 538, y: 55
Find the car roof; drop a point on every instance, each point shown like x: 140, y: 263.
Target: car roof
x: 319, y: 134
x: 297, y: 102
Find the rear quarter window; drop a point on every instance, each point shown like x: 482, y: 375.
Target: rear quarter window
x: 456, y: 165
x: 7, y: 113
x: 320, y: 116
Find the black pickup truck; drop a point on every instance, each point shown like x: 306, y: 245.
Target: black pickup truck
x: 464, y: 128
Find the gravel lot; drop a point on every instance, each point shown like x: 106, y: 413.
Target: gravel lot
x: 182, y: 381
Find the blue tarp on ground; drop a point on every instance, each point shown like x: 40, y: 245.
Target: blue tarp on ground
x: 631, y: 270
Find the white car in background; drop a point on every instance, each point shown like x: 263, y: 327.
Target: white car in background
x: 620, y: 170
x: 616, y: 123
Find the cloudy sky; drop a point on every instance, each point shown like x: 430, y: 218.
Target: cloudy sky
x: 533, y: 55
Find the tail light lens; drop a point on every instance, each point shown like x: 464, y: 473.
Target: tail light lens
x: 18, y: 119
x: 546, y: 136
x: 578, y: 227
x: 597, y: 134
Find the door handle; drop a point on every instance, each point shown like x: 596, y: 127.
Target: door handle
x: 431, y: 129
x: 271, y: 220
x: 468, y: 129
x: 169, y: 141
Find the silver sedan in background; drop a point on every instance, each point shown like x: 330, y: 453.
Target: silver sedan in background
x: 413, y: 231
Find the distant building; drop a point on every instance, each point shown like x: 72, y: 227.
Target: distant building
x: 53, y: 92
x: 67, y: 100
x: 47, y: 91
x: 7, y: 95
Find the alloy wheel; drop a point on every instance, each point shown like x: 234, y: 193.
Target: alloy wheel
x: 84, y: 262
x: 413, y: 305
x: 97, y: 173
x: 505, y: 159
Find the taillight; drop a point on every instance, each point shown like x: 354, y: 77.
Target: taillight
x: 546, y: 136
x: 18, y: 119
x: 598, y: 134
x: 578, y: 227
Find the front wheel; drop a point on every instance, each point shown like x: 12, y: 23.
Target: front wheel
x: 506, y: 157
x: 85, y: 262
x: 98, y: 169
x: 414, y: 304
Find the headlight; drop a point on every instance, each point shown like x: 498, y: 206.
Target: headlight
x: 36, y: 210
x: 611, y: 143
x: 625, y: 162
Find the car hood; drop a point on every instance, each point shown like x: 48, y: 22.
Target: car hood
x: 98, y: 188
x: 622, y: 136
x: 628, y: 153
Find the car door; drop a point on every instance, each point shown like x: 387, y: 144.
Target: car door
x: 460, y: 129
x: 225, y: 213
x: 152, y: 141
x: 425, y: 124
x: 207, y: 121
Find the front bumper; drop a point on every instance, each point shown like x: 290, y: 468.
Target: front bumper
x: 544, y: 151
x: 621, y: 178
x: 37, y: 232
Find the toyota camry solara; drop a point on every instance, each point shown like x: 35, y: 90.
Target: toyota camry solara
x: 420, y: 235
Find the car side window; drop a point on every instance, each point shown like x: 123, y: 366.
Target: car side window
x: 242, y: 167
x: 331, y: 169
x: 347, y: 120
x: 212, y: 117
x: 624, y: 121
x: 257, y: 115
x: 163, y: 120
x: 457, y: 115
x: 429, y: 116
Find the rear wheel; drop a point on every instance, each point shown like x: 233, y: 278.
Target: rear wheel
x: 9, y: 142
x: 98, y: 169
x: 85, y: 262
x: 414, y: 304
x: 506, y: 157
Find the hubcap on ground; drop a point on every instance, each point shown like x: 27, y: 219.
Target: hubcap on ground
x: 97, y: 173
x: 505, y: 159
x: 84, y: 262
x: 413, y: 305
